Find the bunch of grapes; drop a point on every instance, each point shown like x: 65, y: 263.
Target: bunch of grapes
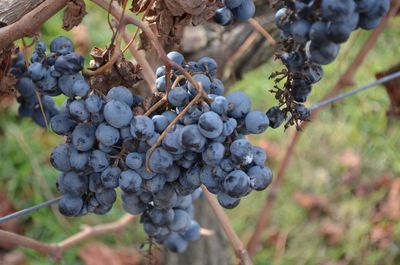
x: 108, y: 147
x: 235, y: 9
x: 40, y: 81
x: 312, y: 32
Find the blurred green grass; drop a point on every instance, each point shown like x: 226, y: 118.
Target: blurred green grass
x: 358, y: 123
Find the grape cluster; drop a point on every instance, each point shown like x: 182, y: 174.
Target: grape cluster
x: 312, y: 32
x: 108, y: 147
x: 235, y: 9
x: 205, y: 146
x: 208, y: 142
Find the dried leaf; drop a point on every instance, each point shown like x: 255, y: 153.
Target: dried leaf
x: 352, y: 161
x: 6, y: 207
x: 140, y: 6
x: 16, y: 257
x: 312, y: 202
x: 393, y: 91
x: 168, y: 18
x: 166, y: 22
x: 123, y: 72
x: 390, y: 208
x: 274, y: 236
x: 382, y: 235
x: 74, y: 13
x: 382, y: 182
x: 350, y: 158
x: 332, y: 231
x: 174, y: 8
x: 7, y: 82
x: 100, y: 254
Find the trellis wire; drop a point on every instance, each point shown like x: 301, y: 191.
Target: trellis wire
x: 313, y: 107
x: 28, y: 210
x: 355, y: 91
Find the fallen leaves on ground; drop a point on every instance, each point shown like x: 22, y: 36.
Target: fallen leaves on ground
x: 332, y: 231
x: 352, y: 162
x: 100, y: 254
x: 389, y: 208
x: 314, y: 203
x: 382, y: 235
x: 6, y: 207
x: 16, y: 257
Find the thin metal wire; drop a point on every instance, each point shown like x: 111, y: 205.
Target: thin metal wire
x: 28, y: 210
x: 355, y: 91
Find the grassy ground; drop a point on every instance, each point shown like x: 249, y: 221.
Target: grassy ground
x: 357, y: 123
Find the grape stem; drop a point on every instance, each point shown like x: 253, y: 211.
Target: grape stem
x: 262, y: 31
x: 238, y: 246
x: 55, y: 250
x: 172, y: 124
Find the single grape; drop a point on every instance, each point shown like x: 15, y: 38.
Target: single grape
x: 59, y: 157
x: 142, y: 127
x: 241, y: 152
x: 98, y: 161
x: 107, y: 134
x: 130, y: 181
x: 239, y: 104
x: 223, y: 16
x: 210, y: 124
x: 160, y: 161
x: 70, y: 205
x: 117, y: 114
x: 83, y: 137
x: 121, y: 93
x: 236, y: 183
x: 110, y: 177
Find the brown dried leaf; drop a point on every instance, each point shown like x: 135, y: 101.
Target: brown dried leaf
x: 16, y: 257
x: 7, y: 82
x: 140, y: 6
x: 123, y: 72
x: 6, y: 207
x: 166, y: 22
x: 390, y: 209
x: 393, y: 91
x: 352, y: 161
x: 168, y: 18
x: 100, y: 254
x: 74, y: 13
x: 332, y: 231
x: 312, y: 202
x: 274, y: 236
x: 382, y: 182
x: 382, y: 235
x: 349, y: 158
x: 7, y: 85
x: 194, y: 7
x: 334, y: 263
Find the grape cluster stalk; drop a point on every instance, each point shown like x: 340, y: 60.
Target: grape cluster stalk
x: 160, y: 159
x: 312, y: 32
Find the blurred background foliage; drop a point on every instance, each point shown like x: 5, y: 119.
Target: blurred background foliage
x: 345, y: 165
